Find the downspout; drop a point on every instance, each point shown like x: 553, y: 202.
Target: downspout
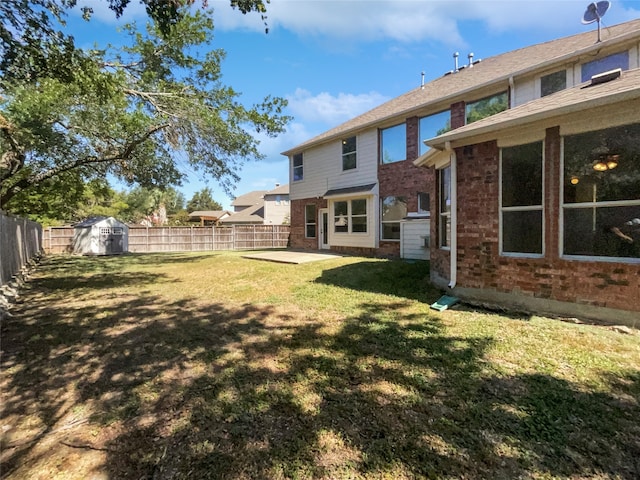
x: 512, y: 91
x: 454, y: 216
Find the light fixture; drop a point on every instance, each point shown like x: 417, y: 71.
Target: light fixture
x: 574, y: 180
x: 606, y: 162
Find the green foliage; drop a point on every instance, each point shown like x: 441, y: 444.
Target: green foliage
x: 203, y: 200
x: 129, y: 113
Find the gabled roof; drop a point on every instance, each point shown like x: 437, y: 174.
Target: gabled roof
x: 582, y: 97
x: 443, y: 91
x: 280, y: 190
x: 249, y: 199
x: 253, y: 214
x: 91, y: 221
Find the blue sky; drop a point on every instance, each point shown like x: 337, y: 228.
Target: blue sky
x: 335, y: 59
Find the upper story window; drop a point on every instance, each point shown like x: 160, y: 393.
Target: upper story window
x: 393, y: 144
x: 349, y: 153
x: 486, y: 107
x: 611, y: 62
x: 601, y: 193
x: 552, y: 83
x: 521, y: 193
x: 350, y: 216
x: 394, y: 209
x: 432, y: 126
x: 444, y: 185
x: 298, y: 167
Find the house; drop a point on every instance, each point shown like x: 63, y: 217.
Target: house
x: 100, y: 236
x: 501, y: 154
x: 269, y: 207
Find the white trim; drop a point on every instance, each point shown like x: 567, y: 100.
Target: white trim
x: 453, y: 274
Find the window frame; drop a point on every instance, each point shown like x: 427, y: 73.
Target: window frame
x: 308, y: 223
x: 384, y: 222
x: 349, y: 153
x: 522, y: 208
x: 421, y: 209
x: 300, y: 167
x: 350, y: 216
x: 402, y: 125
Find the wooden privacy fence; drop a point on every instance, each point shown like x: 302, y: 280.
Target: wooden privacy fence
x: 184, y: 239
x: 20, y: 241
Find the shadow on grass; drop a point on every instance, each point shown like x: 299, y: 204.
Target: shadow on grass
x: 188, y: 389
x: 394, y: 277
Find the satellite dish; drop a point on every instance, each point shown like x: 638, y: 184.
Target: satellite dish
x: 594, y: 13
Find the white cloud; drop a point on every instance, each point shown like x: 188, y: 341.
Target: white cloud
x: 329, y: 109
x: 413, y: 21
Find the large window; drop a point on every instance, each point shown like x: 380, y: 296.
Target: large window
x: 521, y: 193
x: 393, y: 144
x: 349, y: 153
x: 486, y: 107
x: 444, y: 185
x: 552, y: 83
x: 432, y: 126
x: 298, y: 167
x: 601, y: 197
x: 394, y: 209
x: 310, y: 221
x: 617, y: 60
x: 350, y: 216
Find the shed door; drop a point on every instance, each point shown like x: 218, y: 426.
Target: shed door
x: 111, y: 240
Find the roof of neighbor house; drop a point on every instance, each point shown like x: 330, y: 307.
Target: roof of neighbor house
x: 279, y: 190
x: 252, y: 214
x: 492, y: 70
x: 248, y: 199
x: 209, y: 214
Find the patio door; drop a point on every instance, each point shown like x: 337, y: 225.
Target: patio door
x: 324, y: 229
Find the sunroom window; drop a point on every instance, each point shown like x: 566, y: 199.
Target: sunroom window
x: 601, y: 193
x: 444, y: 184
x: 521, y: 210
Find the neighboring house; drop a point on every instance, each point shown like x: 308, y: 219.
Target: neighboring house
x: 209, y: 216
x: 518, y: 214
x: 269, y: 208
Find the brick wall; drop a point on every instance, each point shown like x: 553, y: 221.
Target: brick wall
x: 480, y: 266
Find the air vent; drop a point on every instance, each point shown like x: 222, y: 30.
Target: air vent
x: 605, y: 77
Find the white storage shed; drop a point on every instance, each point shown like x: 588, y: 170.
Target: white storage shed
x: 100, y: 236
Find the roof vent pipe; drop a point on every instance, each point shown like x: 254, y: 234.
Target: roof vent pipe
x: 470, y: 57
x: 422, y: 82
x: 455, y: 60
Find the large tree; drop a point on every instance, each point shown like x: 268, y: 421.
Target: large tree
x: 203, y: 200
x: 139, y: 113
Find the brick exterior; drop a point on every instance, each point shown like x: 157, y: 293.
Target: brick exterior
x: 480, y: 266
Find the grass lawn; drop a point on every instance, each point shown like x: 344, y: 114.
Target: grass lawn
x: 195, y: 366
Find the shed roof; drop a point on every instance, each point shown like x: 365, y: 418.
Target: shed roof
x: 490, y: 71
x: 207, y: 214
